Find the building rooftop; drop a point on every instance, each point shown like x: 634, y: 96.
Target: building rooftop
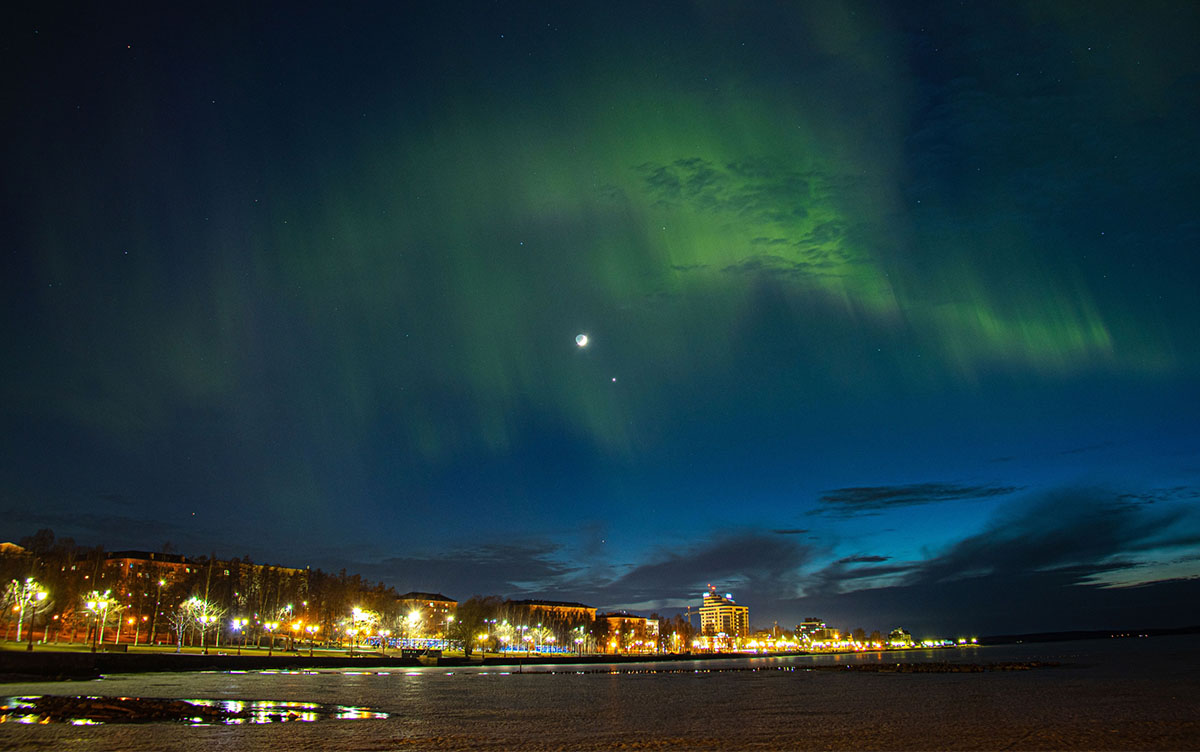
x: 554, y: 604
x: 416, y: 596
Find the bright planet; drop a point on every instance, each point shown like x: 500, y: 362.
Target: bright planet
x: 581, y: 340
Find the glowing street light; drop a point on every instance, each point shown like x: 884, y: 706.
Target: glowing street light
x: 28, y: 593
x: 312, y: 629
x: 98, y: 605
x: 238, y: 625
x: 414, y: 620
x: 271, y: 626
x: 136, y: 623
x: 205, y: 621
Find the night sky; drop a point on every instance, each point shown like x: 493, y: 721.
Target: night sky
x: 892, y: 308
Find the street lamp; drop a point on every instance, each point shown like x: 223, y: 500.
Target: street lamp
x: 312, y: 629
x: 237, y: 625
x: 99, y: 608
x: 271, y: 626
x: 29, y: 593
x: 205, y: 620
x: 358, y: 615
x: 414, y: 619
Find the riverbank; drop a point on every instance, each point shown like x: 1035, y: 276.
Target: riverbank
x: 45, y: 664
x: 62, y: 666
x: 74, y: 664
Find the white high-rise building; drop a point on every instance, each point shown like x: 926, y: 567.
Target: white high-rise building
x: 722, y: 620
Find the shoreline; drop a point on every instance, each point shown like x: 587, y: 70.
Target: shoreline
x: 51, y: 665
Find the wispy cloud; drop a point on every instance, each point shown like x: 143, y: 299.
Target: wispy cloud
x: 857, y: 500
x: 513, y: 570
x: 863, y: 559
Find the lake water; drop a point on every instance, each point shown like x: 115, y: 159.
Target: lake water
x: 1108, y: 694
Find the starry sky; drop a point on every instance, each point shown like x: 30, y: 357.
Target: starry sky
x: 892, y: 307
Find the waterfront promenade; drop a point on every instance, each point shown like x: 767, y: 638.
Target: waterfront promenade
x: 78, y: 662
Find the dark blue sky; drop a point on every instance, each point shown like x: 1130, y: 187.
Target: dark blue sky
x: 892, y: 307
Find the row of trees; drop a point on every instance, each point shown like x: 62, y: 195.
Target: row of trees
x: 183, y: 601
x: 169, y: 600
x: 489, y: 624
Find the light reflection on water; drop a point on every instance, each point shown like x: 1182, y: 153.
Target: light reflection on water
x: 22, y: 709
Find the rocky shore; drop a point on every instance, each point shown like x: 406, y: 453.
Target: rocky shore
x: 55, y: 709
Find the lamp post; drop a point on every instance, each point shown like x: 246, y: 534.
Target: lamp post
x: 154, y: 616
x: 204, y: 619
x: 271, y: 626
x: 414, y: 619
x: 312, y: 630
x: 99, y: 608
x: 238, y: 624
x: 357, y: 615
x: 383, y: 641
x: 30, y: 593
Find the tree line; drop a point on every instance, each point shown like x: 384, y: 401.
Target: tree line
x: 205, y: 601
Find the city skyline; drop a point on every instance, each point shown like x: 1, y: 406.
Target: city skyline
x: 883, y: 312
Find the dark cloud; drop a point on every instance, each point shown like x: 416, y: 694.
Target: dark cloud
x: 768, y: 195
x: 759, y: 567
x: 847, y: 574
x: 791, y: 531
x: 846, y: 502
x: 769, y: 241
x: 768, y: 264
x: 1161, y: 494
x: 1088, y: 448
x: 863, y: 559
x: 1082, y: 529
x: 511, y: 570
x: 114, y: 531
x: 1039, y: 567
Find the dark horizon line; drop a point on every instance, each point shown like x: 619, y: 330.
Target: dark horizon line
x: 1088, y: 634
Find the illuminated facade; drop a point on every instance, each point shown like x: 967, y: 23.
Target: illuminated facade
x: 427, y: 614
x: 808, y: 628
x: 627, y: 633
x: 561, y: 611
x: 150, y: 565
x: 724, y: 625
x: 900, y: 638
